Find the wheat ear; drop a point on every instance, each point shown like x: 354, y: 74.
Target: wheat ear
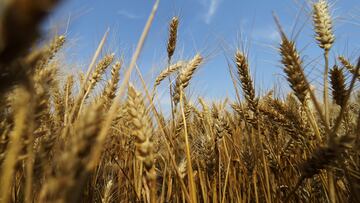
x: 49, y: 52
x: 95, y: 78
x: 173, y: 29
x: 166, y: 72
x: 245, y: 79
x: 142, y: 130
x: 323, y: 25
x: 337, y: 80
x: 109, y: 91
x: 346, y: 63
x: 185, y: 76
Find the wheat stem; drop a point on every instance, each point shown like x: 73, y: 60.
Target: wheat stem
x: 326, y: 88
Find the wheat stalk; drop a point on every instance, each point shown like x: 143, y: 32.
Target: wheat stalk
x: 325, y: 37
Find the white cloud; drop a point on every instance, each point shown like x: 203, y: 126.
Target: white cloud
x: 267, y: 34
x: 211, y: 7
x: 127, y: 14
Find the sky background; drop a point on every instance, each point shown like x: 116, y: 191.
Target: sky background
x: 215, y: 28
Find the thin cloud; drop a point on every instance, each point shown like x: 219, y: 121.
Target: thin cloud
x: 267, y: 34
x: 128, y: 15
x: 211, y: 7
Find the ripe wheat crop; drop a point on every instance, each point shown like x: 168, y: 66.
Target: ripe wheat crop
x: 63, y: 141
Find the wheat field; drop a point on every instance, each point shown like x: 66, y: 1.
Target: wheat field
x: 65, y: 139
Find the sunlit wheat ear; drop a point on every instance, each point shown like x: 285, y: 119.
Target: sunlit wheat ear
x: 346, y: 63
x: 54, y: 47
x: 40, y: 58
x: 323, y: 25
x: 337, y: 80
x: 205, y: 113
x: 204, y: 105
x: 173, y: 29
x: 88, y: 86
x: 142, y: 130
x: 182, y: 168
x: 168, y: 71
x: 245, y: 79
x: 107, y: 192
x: 219, y: 128
x: 100, y: 70
x: 293, y: 68
x: 182, y: 81
x: 110, y: 89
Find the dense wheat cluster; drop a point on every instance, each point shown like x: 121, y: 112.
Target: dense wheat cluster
x: 65, y: 138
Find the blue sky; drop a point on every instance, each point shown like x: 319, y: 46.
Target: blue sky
x: 214, y: 28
